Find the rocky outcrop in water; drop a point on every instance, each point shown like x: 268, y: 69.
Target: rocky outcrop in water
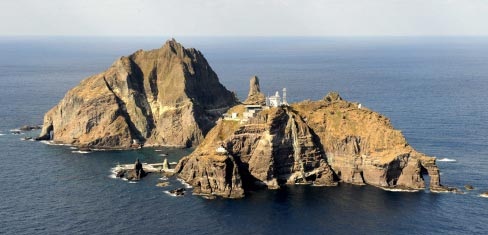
x: 320, y: 142
x: 164, y: 97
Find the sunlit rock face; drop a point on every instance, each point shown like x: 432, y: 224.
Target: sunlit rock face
x: 164, y: 97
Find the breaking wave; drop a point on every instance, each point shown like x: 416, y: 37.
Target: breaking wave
x: 447, y: 160
x: 184, y: 183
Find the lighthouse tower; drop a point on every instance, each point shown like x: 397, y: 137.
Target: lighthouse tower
x: 284, y: 97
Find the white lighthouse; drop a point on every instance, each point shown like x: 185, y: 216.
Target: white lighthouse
x: 284, y: 97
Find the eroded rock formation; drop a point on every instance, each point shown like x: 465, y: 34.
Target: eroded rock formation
x: 320, y: 142
x: 275, y: 147
x: 362, y: 146
x: 255, y: 96
x: 164, y: 97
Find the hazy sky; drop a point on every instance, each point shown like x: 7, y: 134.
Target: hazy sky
x: 244, y: 17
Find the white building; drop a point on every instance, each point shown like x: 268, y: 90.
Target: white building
x: 221, y: 150
x: 275, y: 100
x: 251, y: 111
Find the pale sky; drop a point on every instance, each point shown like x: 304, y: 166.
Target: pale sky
x: 244, y: 17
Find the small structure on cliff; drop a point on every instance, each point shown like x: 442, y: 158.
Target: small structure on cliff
x: 275, y: 100
x: 251, y: 111
x: 221, y: 150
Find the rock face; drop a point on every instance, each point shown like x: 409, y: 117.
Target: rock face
x: 164, y: 97
x: 320, y: 142
x: 362, y: 146
x: 255, y: 96
x: 274, y: 148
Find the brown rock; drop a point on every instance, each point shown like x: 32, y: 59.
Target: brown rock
x: 275, y: 148
x: 162, y: 184
x: 308, y: 142
x: 164, y: 97
x: 212, y: 175
x: 362, y: 147
x: 255, y: 96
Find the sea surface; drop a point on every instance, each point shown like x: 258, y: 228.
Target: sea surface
x: 433, y: 89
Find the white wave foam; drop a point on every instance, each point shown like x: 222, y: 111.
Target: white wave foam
x: 484, y: 195
x: 113, y: 170
x: 73, y: 148
x: 50, y: 142
x: 167, y: 192
x: 1, y: 134
x: 400, y: 190
x: 132, y: 182
x: 447, y: 160
x: 158, y: 150
x: 163, y: 178
x: 82, y: 152
x: 184, y: 183
x: 112, y: 176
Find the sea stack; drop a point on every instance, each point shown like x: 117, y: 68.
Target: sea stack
x: 255, y: 96
x: 311, y: 142
x: 164, y: 97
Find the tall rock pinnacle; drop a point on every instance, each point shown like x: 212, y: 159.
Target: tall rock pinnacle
x: 255, y: 96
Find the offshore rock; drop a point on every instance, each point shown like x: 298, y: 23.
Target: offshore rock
x: 164, y: 97
x: 255, y: 96
x: 311, y: 142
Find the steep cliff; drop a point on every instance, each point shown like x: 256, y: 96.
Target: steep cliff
x: 168, y: 96
x: 319, y: 142
x: 362, y: 146
x: 276, y: 147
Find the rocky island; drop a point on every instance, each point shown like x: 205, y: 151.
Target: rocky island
x: 311, y: 142
x: 172, y: 97
x: 164, y: 97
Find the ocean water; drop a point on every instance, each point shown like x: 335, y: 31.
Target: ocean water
x: 433, y: 89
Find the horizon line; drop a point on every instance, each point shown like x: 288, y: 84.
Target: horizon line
x: 244, y: 36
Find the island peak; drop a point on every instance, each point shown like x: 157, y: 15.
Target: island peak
x: 163, y: 97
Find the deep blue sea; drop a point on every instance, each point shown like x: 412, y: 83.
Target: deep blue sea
x: 434, y: 89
